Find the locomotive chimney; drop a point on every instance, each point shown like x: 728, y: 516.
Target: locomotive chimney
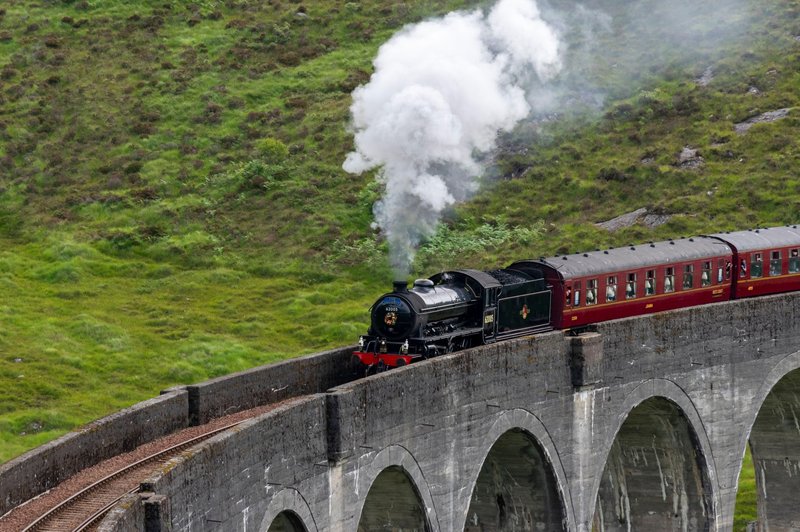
x: 400, y: 286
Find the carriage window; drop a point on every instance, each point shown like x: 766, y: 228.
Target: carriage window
x: 591, y: 291
x: 755, y: 265
x: 705, y: 277
x: 611, y: 288
x: 576, y: 301
x: 688, y: 274
x: 650, y: 283
x: 669, y: 280
x: 719, y: 270
x: 794, y: 261
x: 775, y: 264
x: 630, y: 286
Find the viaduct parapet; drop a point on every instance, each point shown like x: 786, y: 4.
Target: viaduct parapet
x: 640, y: 424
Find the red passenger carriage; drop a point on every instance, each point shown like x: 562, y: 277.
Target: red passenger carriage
x: 766, y: 261
x: 622, y: 282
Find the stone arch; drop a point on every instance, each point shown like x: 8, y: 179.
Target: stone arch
x: 774, y: 437
x: 396, y: 460
x: 516, y: 432
x: 287, y: 521
x: 288, y: 504
x: 658, y: 433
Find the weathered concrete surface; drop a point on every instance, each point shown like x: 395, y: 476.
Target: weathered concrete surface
x: 703, y: 374
x: 515, y: 489
x: 269, y: 384
x: 653, y: 479
x: 775, y: 444
x: 39, y: 470
x: 204, y: 496
x: 128, y: 515
x: 392, y: 504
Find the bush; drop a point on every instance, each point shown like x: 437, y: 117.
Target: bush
x: 272, y: 150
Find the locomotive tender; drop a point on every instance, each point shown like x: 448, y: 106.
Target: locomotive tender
x: 463, y: 308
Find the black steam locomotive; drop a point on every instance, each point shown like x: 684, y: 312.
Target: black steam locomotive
x: 454, y: 310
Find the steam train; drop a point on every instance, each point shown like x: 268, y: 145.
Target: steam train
x: 458, y: 309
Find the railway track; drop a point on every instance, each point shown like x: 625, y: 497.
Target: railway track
x: 84, y: 510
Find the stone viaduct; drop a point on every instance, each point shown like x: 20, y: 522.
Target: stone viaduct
x: 640, y: 424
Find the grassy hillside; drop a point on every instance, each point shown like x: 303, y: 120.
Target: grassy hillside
x: 172, y: 203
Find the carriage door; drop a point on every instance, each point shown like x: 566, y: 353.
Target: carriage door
x: 490, y: 315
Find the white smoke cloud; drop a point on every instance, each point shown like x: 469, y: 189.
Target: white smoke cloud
x: 441, y: 92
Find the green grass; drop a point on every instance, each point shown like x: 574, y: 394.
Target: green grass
x: 172, y: 203
x: 746, y: 496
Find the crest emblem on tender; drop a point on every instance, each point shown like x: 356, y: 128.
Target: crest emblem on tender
x: 390, y: 319
x: 524, y: 312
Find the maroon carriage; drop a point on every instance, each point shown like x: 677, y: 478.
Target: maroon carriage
x: 766, y: 261
x: 630, y: 281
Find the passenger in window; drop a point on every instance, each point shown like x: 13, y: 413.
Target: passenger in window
x: 590, y: 297
x: 611, y: 293
x: 648, y: 286
x: 727, y: 269
x: 630, y: 291
x: 569, y: 295
x: 744, y: 267
x: 668, y: 287
x: 704, y: 280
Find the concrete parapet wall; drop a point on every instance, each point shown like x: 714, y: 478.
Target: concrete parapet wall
x: 224, y: 480
x: 268, y: 384
x: 39, y: 470
x: 673, y: 342
x: 399, y: 404
x: 127, y: 515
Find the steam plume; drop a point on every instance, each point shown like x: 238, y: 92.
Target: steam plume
x: 441, y: 92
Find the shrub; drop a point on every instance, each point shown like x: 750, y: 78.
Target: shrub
x: 272, y: 150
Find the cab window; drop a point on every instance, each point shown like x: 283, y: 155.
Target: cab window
x: 775, y: 263
x: 756, y: 265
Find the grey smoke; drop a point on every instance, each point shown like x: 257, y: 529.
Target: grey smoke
x: 441, y: 92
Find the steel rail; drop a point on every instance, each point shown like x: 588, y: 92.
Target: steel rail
x: 75, y: 499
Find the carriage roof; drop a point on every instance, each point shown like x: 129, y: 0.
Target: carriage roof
x: 633, y: 257
x: 768, y: 238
